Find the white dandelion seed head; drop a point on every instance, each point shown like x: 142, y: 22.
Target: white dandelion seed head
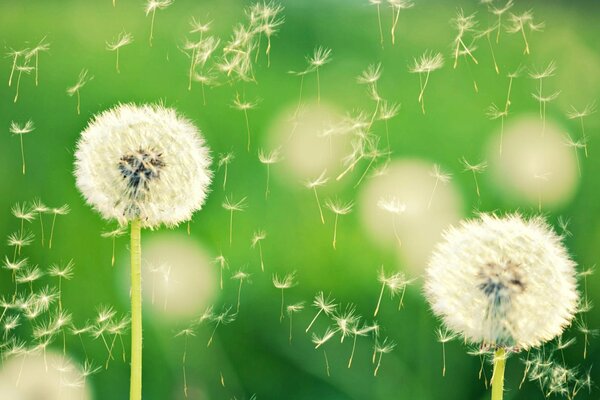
x: 505, y: 281
x: 143, y: 162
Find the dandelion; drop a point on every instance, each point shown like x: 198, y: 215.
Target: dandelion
x: 230, y: 205
x: 271, y: 158
x: 15, y: 54
x: 493, y: 113
x: 519, y: 22
x: 207, y: 78
x: 151, y: 7
x: 382, y: 347
x: 583, y: 328
x: 145, y: 166
x: 393, y: 206
x: 286, y: 282
x: 81, y: 82
x: 488, y: 278
x: 586, y: 112
x: 463, y: 24
x: 240, y: 276
x: 394, y: 283
x: 313, y: 185
x: 268, y: 24
x: 345, y: 321
x: 338, y: 208
x: 62, y: 210
x: 11, y: 323
x: 22, y: 212
x: 20, y: 130
x: 291, y: 310
x: 21, y: 69
x: 324, y: 305
x: 244, y: 106
x: 35, y: 53
x: 28, y: 275
x: 223, y: 318
x: 575, y: 145
x: 426, y: 64
x: 362, y: 331
x: 397, y: 6
x: 223, y: 264
x: 20, y: 240
x: 122, y: 40
x: 474, y: 169
x: 61, y: 272
x: 444, y: 336
x: 257, y: 238
x: 539, y: 96
x: 440, y: 176
x: 320, y: 57
x: 40, y: 208
x: 499, y: 12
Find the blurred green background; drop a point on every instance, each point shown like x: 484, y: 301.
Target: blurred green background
x: 252, y: 354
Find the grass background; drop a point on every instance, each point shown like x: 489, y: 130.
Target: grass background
x: 253, y: 353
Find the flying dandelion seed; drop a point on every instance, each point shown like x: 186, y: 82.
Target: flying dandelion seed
x: 487, y: 279
x: 313, y: 185
x: 15, y: 55
x: 444, y: 336
x: 511, y: 76
x: 186, y: 333
x: 42, y: 46
x: 397, y: 6
x: 114, y: 234
x: 61, y: 272
x: 543, y: 100
x: 377, y: 3
x: 463, y: 24
x: 224, y: 318
x: 23, y: 213
x: 575, y: 145
x: 122, y: 40
x: 286, y: 282
x: 324, y: 305
x: 224, y: 161
x: 487, y: 32
x: 62, y: 210
x: 318, y: 341
x: 81, y: 82
x: 240, y: 276
x: 387, y: 112
x: 382, y: 347
x: 257, y: 239
x: 395, y: 283
x: 221, y: 261
x: 291, y: 310
x: 586, y: 112
x: 499, y: 12
x: 493, y: 113
x: 425, y: 64
x: 145, y: 166
x: 271, y: 158
x: 230, y: 205
x: 520, y: 22
x: 338, y: 208
x: 474, y: 169
x: 20, y: 240
x: 244, y: 106
x: 345, y: 321
x: 393, y: 206
x: 320, y: 57
x: 21, y: 69
x: 440, y: 176
x: 265, y: 17
x: 20, y: 130
x: 40, y: 208
x: 151, y: 7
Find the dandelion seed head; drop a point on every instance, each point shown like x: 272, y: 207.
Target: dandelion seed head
x: 269, y: 158
x: 81, y: 82
x: 21, y: 129
x: 257, y: 237
x: 153, y: 5
x: 428, y: 62
x: 230, y: 205
x: 504, y: 281
x: 338, y: 207
x: 391, y: 204
x: 21, y: 211
x: 123, y: 39
x: 285, y: 282
x: 143, y: 162
x: 320, y: 57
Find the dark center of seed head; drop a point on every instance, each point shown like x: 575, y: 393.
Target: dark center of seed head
x: 500, y: 281
x: 139, y: 168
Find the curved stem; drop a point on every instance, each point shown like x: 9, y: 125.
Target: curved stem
x: 498, y: 378
x: 136, y: 311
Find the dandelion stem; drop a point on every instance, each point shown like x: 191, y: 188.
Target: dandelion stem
x: 281, y: 315
x: 526, y: 51
x: 432, y: 194
x: 352, y: 354
x: 493, y: 55
x: 319, y: 205
x: 313, y: 320
x: 52, y: 233
x: 378, y: 364
x: 152, y: 26
x: 379, y: 300
x: 18, y: 85
x: 225, y: 177
x: 268, y: 178
x: 318, y: 88
x: 498, y: 375
x: 22, y: 159
x: 379, y: 22
x: 247, y: 127
x: 192, y: 65
x: 443, y: 358
x: 335, y: 230
x: 326, y: 363
x: 41, y: 228
x: 12, y: 71
x: 237, y: 310
x: 78, y: 103
x: 300, y: 96
x: 230, y: 227
x: 136, y: 311
x: 118, y: 70
x: 37, y: 57
x: 185, y: 388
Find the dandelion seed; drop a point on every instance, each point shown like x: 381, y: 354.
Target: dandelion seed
x: 286, y: 282
x: 224, y: 161
x: 223, y: 264
x: 394, y: 283
x: 22, y: 69
x: 15, y: 54
x: 474, y: 169
x: 499, y: 12
x: 382, y: 347
x: 338, y: 208
x: 583, y: 328
x: 244, y: 106
x: 345, y: 321
x: 444, y: 336
x: 81, y: 82
x: 207, y: 78
x: 151, y: 7
x: 393, y: 206
x: 186, y: 333
x: 324, y: 305
x: 313, y: 184
x: 320, y: 57
x: 122, y: 40
x: 378, y: 4
x: 291, y: 309
x: 20, y: 130
x: 575, y: 145
x: 487, y: 33
x: 511, y: 76
x: 387, y: 112
x: 271, y: 158
x: 257, y: 238
x: 63, y: 210
x: 318, y: 341
x: 518, y: 23
x: 426, y: 64
x: 35, y: 53
x: 61, y: 272
x: 493, y: 113
x: 267, y: 23
x: 372, y: 153
x: 586, y: 112
x: 40, y: 208
x: 20, y: 240
x: 397, y: 6
x: 543, y: 100
x: 225, y: 317
x: 240, y: 276
x: 232, y: 207
x: 440, y: 176
x: 114, y: 234
x: 463, y: 24
x: 23, y: 213
x: 487, y: 279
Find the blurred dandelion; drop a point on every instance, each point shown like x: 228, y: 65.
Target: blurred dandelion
x: 440, y: 176
x: 122, y: 40
x: 232, y: 206
x: 269, y: 158
x: 283, y: 283
x: 62, y: 210
x: 463, y: 24
x: 313, y: 184
x: 320, y: 57
x: 425, y: 64
x: 499, y: 12
x: 338, y: 208
x: 81, y: 82
x: 223, y: 318
x: 395, y: 283
x: 61, y: 272
x: 576, y: 145
x: 151, y: 7
x: 474, y: 169
x: 377, y: 3
x: 15, y: 55
x: 22, y: 69
x: 221, y: 261
x: 20, y: 130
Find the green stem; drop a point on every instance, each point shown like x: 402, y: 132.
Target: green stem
x: 136, y: 311
x: 498, y: 378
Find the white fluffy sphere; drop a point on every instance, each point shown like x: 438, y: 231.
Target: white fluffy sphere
x: 143, y: 162
x: 503, y: 281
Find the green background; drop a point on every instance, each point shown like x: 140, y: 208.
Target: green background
x: 253, y: 352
